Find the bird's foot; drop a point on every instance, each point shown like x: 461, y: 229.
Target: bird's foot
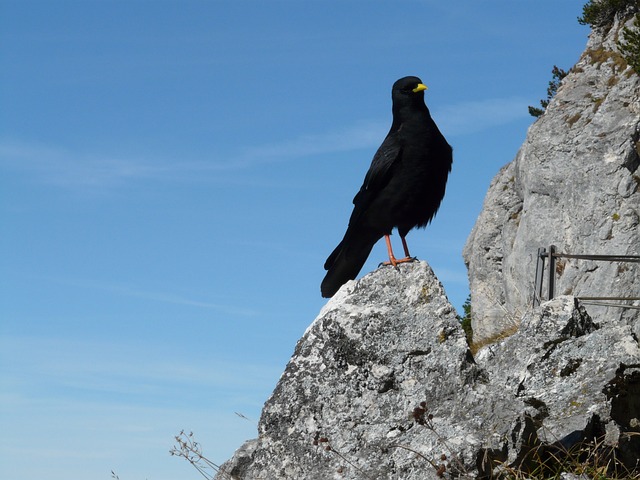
x: 395, y: 261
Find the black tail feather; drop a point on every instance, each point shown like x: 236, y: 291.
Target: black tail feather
x: 346, y: 261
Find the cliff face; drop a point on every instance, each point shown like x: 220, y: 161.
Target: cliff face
x: 574, y: 184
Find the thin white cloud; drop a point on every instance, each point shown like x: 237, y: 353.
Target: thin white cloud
x: 164, y: 297
x: 65, y: 367
x: 361, y: 135
x: 63, y: 167
x: 180, y: 300
x: 73, y: 169
x: 471, y: 117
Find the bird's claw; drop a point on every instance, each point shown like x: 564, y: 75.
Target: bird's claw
x: 394, y: 262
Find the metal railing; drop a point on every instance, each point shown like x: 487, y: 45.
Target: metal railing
x: 551, y: 254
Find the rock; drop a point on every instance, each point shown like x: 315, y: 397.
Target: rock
x: 575, y: 184
x: 560, y: 368
x: 382, y: 386
x: 379, y: 348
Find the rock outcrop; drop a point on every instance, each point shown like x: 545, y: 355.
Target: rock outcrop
x: 355, y: 377
x: 382, y: 386
x: 575, y: 183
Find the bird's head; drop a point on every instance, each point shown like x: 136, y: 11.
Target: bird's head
x: 408, y: 91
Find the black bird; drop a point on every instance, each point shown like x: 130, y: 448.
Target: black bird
x: 403, y: 187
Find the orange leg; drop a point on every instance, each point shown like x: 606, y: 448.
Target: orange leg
x: 392, y: 259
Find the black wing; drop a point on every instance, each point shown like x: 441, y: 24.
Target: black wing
x: 378, y: 175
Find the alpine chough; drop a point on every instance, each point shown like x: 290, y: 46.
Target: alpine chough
x: 402, y: 189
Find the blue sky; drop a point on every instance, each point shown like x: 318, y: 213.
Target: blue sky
x: 174, y: 174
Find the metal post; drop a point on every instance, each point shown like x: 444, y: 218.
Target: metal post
x: 552, y: 270
x: 537, y: 291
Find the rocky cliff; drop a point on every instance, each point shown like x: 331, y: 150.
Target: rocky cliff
x: 574, y: 184
x: 383, y: 385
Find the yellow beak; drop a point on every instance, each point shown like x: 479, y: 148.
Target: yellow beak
x: 420, y: 88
